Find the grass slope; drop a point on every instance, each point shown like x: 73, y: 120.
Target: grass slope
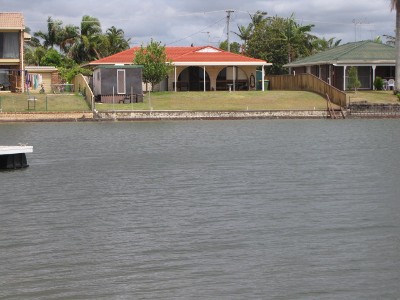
x: 192, y: 101
x: 234, y: 101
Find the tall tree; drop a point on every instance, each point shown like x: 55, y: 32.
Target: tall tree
x: 280, y: 41
x: 395, y: 5
x: 156, y: 65
x: 69, y: 35
x: 51, y: 37
x: 258, y: 18
x: 33, y: 55
x: 244, y: 34
x: 298, y: 38
x: 92, y: 43
x: 116, y: 40
x: 390, y: 40
x: 322, y: 44
x: 234, y: 46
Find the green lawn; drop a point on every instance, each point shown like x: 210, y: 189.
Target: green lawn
x: 234, y: 101
x: 10, y: 102
x: 373, y: 96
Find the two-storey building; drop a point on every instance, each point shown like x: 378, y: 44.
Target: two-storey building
x: 12, y: 30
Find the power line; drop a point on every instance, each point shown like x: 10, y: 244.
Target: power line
x: 196, y: 32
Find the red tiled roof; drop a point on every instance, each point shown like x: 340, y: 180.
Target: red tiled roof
x: 182, y: 55
x: 10, y: 20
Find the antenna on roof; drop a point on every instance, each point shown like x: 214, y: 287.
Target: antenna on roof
x: 208, y: 33
x: 358, y: 22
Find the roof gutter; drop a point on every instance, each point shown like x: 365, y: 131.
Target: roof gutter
x: 224, y: 63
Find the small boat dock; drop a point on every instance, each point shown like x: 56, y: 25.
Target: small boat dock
x: 14, y: 157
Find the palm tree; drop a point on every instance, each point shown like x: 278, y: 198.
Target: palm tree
x: 244, y: 34
x: 116, y: 40
x: 68, y: 37
x: 390, y: 40
x: 323, y: 44
x: 395, y: 4
x: 298, y: 39
x: 50, y: 38
x: 91, y: 42
x: 258, y: 18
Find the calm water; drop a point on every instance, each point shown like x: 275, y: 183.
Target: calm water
x: 258, y: 209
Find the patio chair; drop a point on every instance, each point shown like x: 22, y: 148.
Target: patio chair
x: 385, y: 84
x: 391, y: 84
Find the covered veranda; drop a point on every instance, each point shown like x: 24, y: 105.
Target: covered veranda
x: 371, y: 59
x: 215, y: 76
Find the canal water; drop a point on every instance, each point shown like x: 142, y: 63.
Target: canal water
x: 254, y: 209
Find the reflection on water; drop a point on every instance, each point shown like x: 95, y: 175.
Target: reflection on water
x: 260, y: 209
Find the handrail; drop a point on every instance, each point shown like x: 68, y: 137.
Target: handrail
x: 308, y: 82
x: 82, y: 86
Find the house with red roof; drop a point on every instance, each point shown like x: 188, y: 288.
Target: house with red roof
x: 202, y: 68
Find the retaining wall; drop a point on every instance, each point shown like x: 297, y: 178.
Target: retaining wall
x: 45, y: 116
x: 207, y: 115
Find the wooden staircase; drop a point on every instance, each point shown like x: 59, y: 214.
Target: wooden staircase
x: 333, y: 113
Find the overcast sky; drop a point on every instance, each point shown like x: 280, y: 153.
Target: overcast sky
x: 183, y: 22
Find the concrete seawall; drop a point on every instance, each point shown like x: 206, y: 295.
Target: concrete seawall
x: 158, y: 115
x: 208, y: 115
x: 45, y: 116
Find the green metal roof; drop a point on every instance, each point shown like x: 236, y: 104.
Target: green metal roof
x: 364, y: 52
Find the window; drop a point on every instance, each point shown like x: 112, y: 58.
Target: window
x: 9, y: 45
x: 121, y: 82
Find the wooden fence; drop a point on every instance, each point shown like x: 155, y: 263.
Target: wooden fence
x: 307, y: 82
x: 82, y: 86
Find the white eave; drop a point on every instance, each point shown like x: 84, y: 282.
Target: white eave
x: 41, y: 69
x: 365, y: 63
x: 344, y: 63
x: 223, y: 63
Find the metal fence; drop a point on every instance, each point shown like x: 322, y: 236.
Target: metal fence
x: 66, y: 88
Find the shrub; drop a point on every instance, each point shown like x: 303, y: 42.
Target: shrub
x: 378, y: 83
x: 354, y: 82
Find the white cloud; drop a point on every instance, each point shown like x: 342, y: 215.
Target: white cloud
x: 198, y: 22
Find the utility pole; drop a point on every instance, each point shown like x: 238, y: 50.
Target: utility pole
x: 228, y: 20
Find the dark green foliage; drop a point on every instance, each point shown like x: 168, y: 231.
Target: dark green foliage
x: 154, y: 60
x: 83, y: 44
x: 66, y: 47
x: 280, y: 41
x: 235, y: 46
x: 378, y: 83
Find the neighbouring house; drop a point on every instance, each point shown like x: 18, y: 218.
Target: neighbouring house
x: 372, y: 59
x: 203, y: 68
x: 118, y: 83
x: 35, y: 76
x: 12, y: 29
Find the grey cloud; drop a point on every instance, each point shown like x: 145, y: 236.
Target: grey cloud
x: 198, y: 22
